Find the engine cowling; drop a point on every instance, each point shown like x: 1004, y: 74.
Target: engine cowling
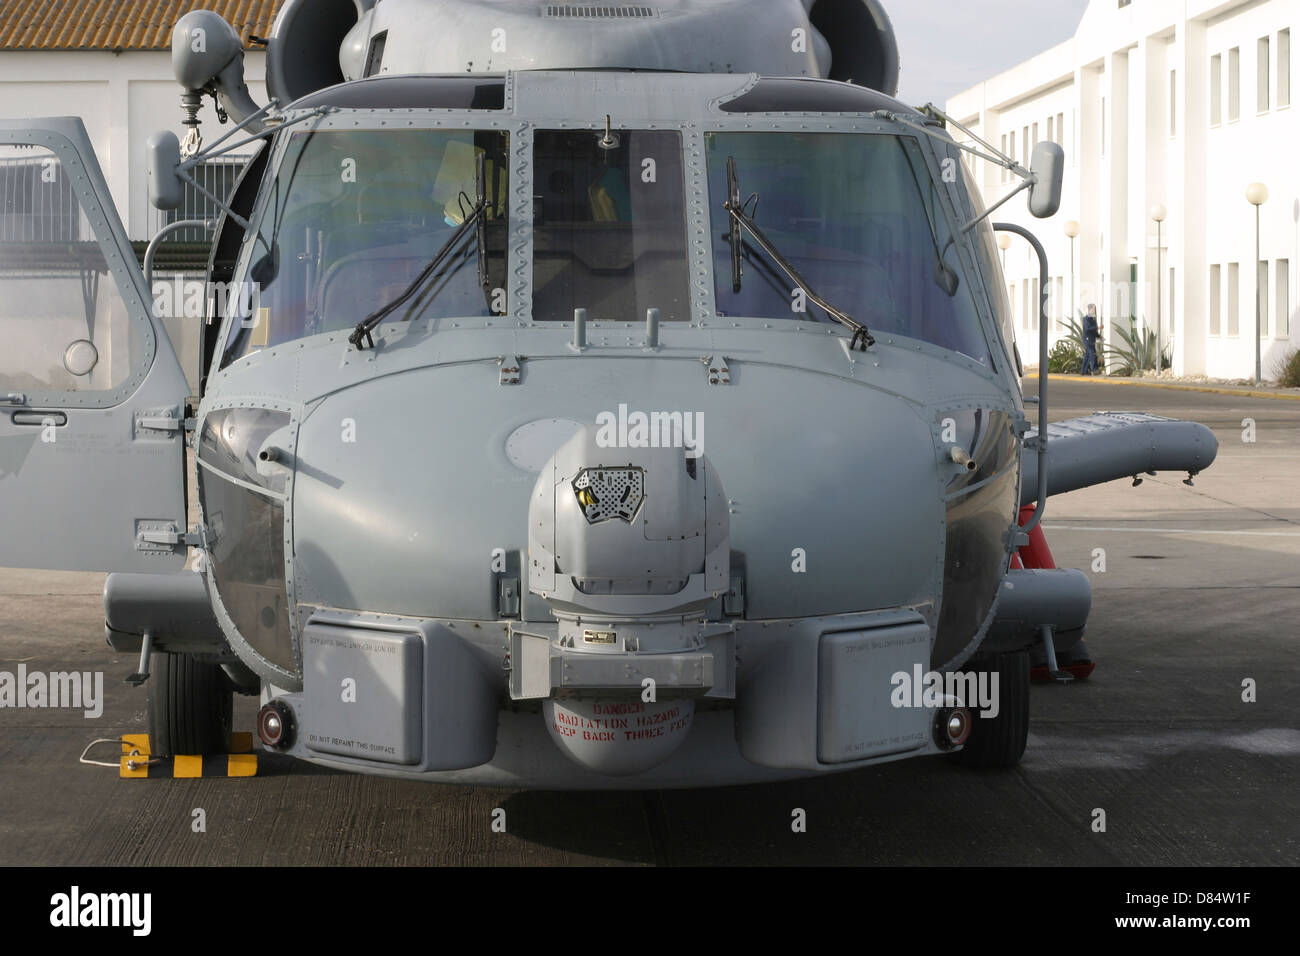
x: 318, y: 43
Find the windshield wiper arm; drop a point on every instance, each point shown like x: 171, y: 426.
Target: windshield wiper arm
x: 365, y: 328
x: 862, y: 338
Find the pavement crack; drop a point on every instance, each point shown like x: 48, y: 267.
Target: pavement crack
x: 1071, y: 822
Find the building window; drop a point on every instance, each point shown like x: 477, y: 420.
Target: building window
x: 1284, y: 68
x: 1234, y: 84
x: 1261, y: 277
x: 1036, y: 306
x: 1002, y: 174
x: 1058, y: 299
x: 1216, y: 89
x: 1282, y: 276
x: 1261, y: 75
x: 1034, y: 141
x: 1051, y: 131
x: 1234, y: 298
x: 1012, y: 152
x: 1060, y: 129
x: 1103, y: 126
x: 1173, y: 102
x: 1216, y: 300
x: 1024, y: 147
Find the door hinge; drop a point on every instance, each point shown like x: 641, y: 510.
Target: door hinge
x: 164, y: 420
x: 152, y: 535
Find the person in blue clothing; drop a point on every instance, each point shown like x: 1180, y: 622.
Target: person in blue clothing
x: 1091, y: 332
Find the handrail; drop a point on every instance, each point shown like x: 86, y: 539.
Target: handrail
x: 1041, y: 440
x: 171, y: 227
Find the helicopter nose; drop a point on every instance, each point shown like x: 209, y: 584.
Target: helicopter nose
x: 628, y: 546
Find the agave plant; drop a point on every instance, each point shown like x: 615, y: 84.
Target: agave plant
x: 1135, y: 351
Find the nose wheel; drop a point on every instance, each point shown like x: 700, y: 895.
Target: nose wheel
x: 1000, y: 741
x: 190, y: 705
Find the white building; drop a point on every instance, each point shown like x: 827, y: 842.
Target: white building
x: 1174, y: 103
x: 109, y: 62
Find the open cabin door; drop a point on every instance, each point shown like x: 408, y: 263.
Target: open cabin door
x: 92, y: 398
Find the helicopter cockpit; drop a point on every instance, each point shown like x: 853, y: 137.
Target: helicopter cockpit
x: 611, y: 221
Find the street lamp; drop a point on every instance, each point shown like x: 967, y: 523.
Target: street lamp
x: 1072, y: 230
x: 1158, y: 213
x: 1257, y: 195
x: 1004, y: 243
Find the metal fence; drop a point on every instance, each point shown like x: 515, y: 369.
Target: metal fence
x: 36, y: 202
x: 218, y: 176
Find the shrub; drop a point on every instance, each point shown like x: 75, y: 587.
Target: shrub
x: 1288, y: 369
x: 1066, y: 357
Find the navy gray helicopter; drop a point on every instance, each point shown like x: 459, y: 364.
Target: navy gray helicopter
x: 615, y: 395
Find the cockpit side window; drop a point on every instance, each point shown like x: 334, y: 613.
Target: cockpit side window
x: 990, y: 264
x: 858, y: 217
x: 355, y: 216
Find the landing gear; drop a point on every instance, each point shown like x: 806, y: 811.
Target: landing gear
x: 190, y: 703
x: 1076, y: 661
x: 1000, y: 741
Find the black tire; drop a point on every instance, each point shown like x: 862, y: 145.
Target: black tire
x: 190, y: 704
x: 1000, y: 741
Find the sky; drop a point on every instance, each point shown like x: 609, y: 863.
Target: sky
x: 946, y: 46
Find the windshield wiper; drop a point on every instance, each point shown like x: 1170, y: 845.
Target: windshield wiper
x: 862, y: 338
x: 365, y: 328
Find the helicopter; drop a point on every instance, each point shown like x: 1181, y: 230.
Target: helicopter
x: 594, y: 396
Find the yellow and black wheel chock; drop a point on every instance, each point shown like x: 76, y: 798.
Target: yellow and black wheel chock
x: 137, y: 761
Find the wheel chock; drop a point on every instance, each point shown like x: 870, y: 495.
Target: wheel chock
x: 137, y: 761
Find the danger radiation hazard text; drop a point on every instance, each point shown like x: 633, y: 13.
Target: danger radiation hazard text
x: 620, y: 722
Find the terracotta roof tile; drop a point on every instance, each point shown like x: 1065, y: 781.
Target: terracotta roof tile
x: 118, y: 24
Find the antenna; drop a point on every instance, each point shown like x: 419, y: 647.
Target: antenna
x: 610, y: 139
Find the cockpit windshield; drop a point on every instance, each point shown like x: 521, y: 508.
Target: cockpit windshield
x: 609, y: 225
x: 354, y: 217
x: 363, y: 223
x: 859, y: 217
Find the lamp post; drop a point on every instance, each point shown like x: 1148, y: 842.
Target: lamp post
x: 1158, y: 213
x: 1004, y: 243
x: 1072, y: 230
x: 1257, y: 195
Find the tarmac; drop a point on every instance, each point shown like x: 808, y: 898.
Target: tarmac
x: 1200, y: 592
